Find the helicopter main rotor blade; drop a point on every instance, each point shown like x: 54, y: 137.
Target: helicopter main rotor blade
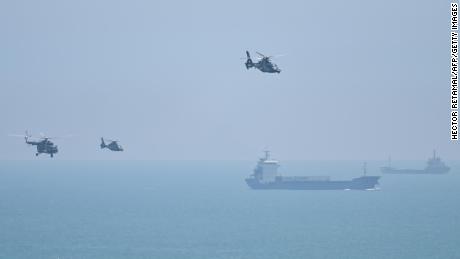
x: 255, y: 58
x: 66, y: 136
x: 43, y: 136
x: 17, y: 135
x: 277, y: 56
x: 21, y: 135
x: 260, y: 54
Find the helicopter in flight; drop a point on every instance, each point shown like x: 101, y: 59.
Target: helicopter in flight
x: 43, y: 143
x: 264, y: 64
x: 113, y: 145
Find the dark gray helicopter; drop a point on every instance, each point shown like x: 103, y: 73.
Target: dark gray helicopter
x: 44, y: 144
x: 264, y: 64
x: 113, y: 145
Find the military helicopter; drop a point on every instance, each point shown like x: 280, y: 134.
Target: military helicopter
x: 44, y: 144
x: 113, y: 145
x: 264, y: 64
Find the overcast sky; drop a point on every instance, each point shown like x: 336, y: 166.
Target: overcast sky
x: 360, y: 79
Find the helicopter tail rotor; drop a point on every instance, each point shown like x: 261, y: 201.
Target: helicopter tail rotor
x: 249, y: 62
x: 103, y: 145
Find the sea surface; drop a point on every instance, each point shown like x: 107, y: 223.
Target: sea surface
x: 203, y: 209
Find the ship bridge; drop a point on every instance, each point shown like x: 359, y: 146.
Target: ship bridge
x: 267, y: 169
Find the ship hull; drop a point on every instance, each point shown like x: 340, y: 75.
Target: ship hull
x: 414, y: 171
x: 361, y: 183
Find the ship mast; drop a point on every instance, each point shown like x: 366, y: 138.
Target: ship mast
x: 365, y: 168
x: 267, y: 154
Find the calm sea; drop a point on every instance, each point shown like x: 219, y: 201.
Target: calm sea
x: 199, y: 209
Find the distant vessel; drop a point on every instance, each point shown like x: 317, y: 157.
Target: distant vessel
x: 266, y: 176
x: 434, y: 166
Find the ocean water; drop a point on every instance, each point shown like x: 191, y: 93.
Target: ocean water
x: 203, y: 209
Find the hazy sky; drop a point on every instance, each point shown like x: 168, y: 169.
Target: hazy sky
x: 360, y: 79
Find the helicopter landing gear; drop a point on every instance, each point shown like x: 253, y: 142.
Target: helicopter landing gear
x: 51, y: 154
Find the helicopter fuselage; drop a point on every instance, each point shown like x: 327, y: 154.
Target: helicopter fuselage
x: 44, y: 146
x: 113, y: 145
x: 266, y: 66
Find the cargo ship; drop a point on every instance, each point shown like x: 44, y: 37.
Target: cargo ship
x: 266, y: 177
x: 434, y: 166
